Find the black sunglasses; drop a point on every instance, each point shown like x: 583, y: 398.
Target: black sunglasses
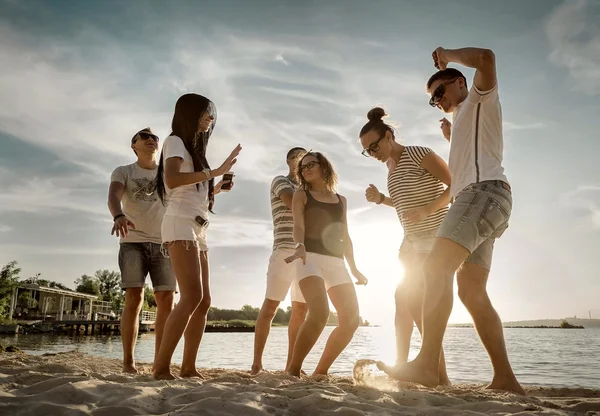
x: 147, y: 136
x: 439, y: 93
x: 373, y: 147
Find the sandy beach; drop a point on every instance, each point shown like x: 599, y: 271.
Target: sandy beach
x: 75, y: 384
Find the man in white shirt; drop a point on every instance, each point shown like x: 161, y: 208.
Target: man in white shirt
x: 137, y: 214
x: 478, y: 216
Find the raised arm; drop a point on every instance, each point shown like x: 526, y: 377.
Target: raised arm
x: 482, y: 60
x: 175, y: 178
x: 349, y: 247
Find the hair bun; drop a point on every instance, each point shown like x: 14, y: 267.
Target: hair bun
x: 376, y: 113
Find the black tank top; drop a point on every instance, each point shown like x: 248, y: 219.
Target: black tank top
x: 323, y: 227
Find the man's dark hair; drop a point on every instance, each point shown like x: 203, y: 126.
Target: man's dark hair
x: 446, y: 74
x: 294, y: 150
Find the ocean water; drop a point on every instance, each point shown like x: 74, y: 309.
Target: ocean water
x: 544, y: 357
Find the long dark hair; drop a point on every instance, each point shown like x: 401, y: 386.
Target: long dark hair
x: 188, y: 110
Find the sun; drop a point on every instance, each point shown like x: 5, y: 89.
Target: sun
x: 376, y: 248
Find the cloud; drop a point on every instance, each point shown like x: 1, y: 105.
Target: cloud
x: 280, y: 58
x: 509, y: 126
x: 585, y: 201
x: 4, y: 228
x: 573, y: 33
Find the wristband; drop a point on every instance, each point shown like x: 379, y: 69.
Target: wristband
x: 207, y: 173
x: 382, y: 198
x: 118, y: 216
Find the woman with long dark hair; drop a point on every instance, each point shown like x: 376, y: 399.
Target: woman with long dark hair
x: 322, y: 243
x: 185, y: 183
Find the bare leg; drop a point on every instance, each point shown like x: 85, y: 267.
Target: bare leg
x: 195, y: 329
x: 415, y: 290
x: 472, y: 281
x: 164, y: 306
x: 404, y: 324
x: 344, y: 300
x: 261, y: 332
x: 313, y: 290
x: 186, y: 264
x: 444, y: 259
x: 130, y: 326
x: 297, y: 318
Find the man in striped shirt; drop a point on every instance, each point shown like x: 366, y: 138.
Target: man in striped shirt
x: 280, y: 275
x: 478, y: 216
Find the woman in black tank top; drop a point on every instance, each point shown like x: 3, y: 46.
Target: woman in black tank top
x: 322, y: 244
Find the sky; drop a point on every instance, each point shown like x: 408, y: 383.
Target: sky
x: 79, y: 78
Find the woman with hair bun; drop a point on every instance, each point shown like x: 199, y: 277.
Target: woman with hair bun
x: 415, y: 182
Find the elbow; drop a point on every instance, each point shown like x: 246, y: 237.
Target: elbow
x: 487, y: 57
x: 170, y: 182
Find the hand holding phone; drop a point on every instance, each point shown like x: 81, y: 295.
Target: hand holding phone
x: 227, y: 181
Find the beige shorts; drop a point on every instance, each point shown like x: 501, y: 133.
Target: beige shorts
x: 331, y: 269
x: 183, y: 229
x: 281, y: 276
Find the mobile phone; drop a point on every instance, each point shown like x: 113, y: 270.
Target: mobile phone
x: 228, y: 181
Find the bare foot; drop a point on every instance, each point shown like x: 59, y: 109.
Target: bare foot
x: 320, y: 377
x: 130, y: 369
x: 192, y: 373
x: 445, y: 382
x: 163, y: 376
x: 255, y: 369
x: 412, y: 373
x: 511, y: 386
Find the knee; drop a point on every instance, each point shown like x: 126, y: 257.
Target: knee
x: 191, y: 300
x: 299, y: 310
x: 319, y: 315
x: 269, y: 309
x: 205, y: 303
x: 164, y: 300
x: 134, y: 297
x: 350, y: 324
x: 472, y: 296
x: 435, y: 272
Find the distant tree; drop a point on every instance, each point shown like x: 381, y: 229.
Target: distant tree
x: 26, y: 301
x: 9, y: 277
x: 118, y: 301
x: 88, y: 284
x: 36, y: 280
x: 250, y: 313
x: 108, y: 283
x: 149, y: 299
x: 281, y: 317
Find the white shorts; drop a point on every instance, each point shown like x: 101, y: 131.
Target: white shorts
x: 331, y: 269
x: 183, y: 229
x: 280, y: 276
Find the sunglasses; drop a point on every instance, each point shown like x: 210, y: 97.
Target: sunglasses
x: 309, y: 166
x: 373, y: 147
x: 439, y: 93
x: 146, y: 136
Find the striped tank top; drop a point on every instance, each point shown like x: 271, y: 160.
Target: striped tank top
x: 283, y: 221
x: 411, y: 186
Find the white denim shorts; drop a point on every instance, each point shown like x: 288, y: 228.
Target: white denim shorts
x: 183, y: 229
x: 329, y: 268
x: 281, y: 276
